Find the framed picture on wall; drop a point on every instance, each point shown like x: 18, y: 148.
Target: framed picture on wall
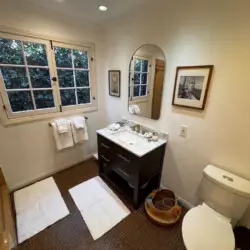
x: 191, y: 86
x: 114, y: 83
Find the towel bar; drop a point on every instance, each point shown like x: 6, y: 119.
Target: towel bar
x: 86, y: 118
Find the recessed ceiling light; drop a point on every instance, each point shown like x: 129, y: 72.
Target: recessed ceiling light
x: 102, y: 8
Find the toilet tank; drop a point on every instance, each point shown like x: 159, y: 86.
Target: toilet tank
x: 226, y: 193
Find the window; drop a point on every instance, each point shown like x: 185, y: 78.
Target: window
x: 72, y: 65
x: 139, y: 74
x: 26, y: 73
x: 39, y: 76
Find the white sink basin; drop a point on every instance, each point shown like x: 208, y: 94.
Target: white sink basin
x: 130, y: 138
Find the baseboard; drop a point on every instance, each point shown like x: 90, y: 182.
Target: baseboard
x: 184, y: 202
x: 47, y: 174
x: 95, y: 155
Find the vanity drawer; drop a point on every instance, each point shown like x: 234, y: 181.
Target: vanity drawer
x: 105, y: 143
x: 117, y: 158
x: 105, y: 147
x: 125, y: 155
x: 125, y: 163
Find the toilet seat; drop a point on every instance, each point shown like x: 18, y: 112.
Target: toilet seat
x: 202, y: 228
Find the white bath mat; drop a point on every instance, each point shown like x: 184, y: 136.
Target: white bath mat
x: 37, y: 207
x: 100, y: 208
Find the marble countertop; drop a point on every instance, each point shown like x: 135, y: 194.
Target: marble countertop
x: 139, y: 149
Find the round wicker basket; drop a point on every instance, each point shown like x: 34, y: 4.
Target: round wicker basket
x: 162, y: 207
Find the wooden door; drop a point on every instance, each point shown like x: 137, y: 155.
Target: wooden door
x: 158, y: 88
x: 7, y: 224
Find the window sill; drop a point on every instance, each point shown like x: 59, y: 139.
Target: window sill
x: 5, y: 121
x: 139, y: 100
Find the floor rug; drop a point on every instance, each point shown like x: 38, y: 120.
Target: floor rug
x: 37, y: 207
x: 100, y: 208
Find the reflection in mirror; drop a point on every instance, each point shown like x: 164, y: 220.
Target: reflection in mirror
x: 146, y: 77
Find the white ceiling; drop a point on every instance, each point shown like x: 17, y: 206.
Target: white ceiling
x: 87, y: 10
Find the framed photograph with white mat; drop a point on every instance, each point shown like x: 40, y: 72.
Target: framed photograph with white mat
x: 191, y: 86
x: 115, y: 83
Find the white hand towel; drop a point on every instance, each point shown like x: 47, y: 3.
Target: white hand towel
x: 131, y: 109
x: 78, y: 122
x: 62, y: 126
x: 81, y: 134
x: 134, y: 109
x: 63, y: 140
x: 137, y: 109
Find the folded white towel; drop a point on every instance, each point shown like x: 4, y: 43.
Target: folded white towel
x: 62, y: 126
x: 78, y: 122
x: 134, y: 109
x: 80, y: 134
x: 137, y: 109
x: 63, y: 140
x: 131, y: 109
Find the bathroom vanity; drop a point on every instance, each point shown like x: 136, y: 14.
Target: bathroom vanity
x: 131, y: 162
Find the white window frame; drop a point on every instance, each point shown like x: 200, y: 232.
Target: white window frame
x: 143, y: 98
x: 4, y: 91
x: 91, y: 76
x: 8, y: 117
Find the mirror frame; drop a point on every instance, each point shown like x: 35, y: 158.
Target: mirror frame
x: 130, y: 78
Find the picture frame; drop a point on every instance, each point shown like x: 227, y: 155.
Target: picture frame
x: 115, y: 83
x: 191, y: 86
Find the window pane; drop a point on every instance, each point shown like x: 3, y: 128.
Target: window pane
x: 143, y: 90
x: 20, y: 101
x: 11, y: 52
x: 35, y: 54
x: 82, y: 78
x: 144, y: 78
x: 63, y: 57
x: 66, y: 78
x: 15, y: 78
x: 136, y: 90
x: 137, y: 65
x: 83, y: 95
x: 144, y: 66
x: 80, y: 59
x: 68, y: 97
x: 137, y: 78
x: 44, y: 99
x: 40, y: 78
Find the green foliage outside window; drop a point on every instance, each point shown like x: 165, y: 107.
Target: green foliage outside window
x: 11, y: 52
x: 24, y: 64
x: 73, y: 77
x: 35, y: 54
x: 15, y: 78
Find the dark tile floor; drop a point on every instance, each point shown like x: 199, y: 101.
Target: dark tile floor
x: 134, y: 232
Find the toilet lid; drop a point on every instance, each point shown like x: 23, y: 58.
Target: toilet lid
x: 201, y: 229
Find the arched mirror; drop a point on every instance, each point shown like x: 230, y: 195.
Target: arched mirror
x: 146, y: 80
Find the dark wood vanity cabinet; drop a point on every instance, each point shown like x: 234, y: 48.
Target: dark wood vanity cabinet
x: 134, y: 176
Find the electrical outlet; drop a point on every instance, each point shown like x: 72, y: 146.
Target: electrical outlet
x: 183, y: 131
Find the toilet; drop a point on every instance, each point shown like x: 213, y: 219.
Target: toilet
x: 225, y: 198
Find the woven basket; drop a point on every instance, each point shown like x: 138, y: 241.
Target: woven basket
x: 162, y: 207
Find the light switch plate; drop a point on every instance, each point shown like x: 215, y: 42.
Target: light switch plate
x: 183, y: 131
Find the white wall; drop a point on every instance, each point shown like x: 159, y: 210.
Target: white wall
x: 193, y: 33
x: 27, y: 151
x: 190, y: 33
